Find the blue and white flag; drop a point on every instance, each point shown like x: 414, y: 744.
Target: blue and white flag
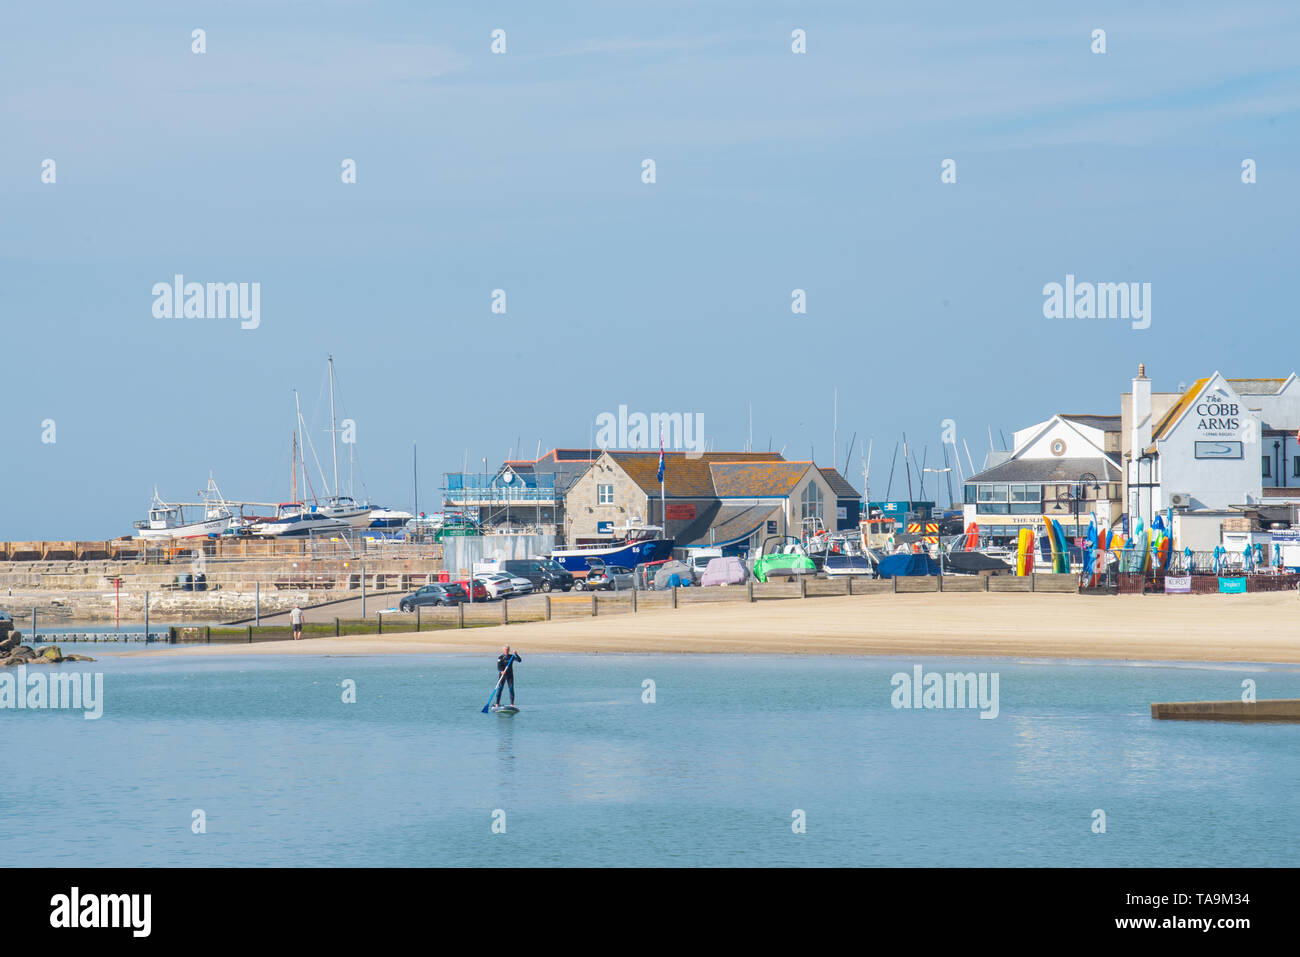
x: 660, y: 476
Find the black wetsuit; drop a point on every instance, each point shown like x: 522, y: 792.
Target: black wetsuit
x: 502, y: 662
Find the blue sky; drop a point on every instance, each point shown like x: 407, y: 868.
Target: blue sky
x: 521, y: 171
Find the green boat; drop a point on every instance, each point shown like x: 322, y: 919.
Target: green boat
x: 783, y: 556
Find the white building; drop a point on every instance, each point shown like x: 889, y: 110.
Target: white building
x: 1217, y: 450
x: 1067, y: 468
x: 1223, y: 454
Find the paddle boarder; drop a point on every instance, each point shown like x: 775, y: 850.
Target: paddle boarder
x: 506, y: 662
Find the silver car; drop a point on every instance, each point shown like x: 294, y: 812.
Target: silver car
x: 608, y: 578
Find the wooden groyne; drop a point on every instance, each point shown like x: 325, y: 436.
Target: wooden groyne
x: 1277, y: 709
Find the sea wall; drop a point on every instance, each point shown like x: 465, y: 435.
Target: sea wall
x: 104, y: 590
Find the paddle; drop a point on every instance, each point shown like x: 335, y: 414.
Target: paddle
x: 498, y: 684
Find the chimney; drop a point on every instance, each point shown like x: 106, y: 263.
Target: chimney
x: 1140, y: 437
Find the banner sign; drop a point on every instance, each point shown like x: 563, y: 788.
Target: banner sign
x: 1232, y: 586
x: 1178, y: 584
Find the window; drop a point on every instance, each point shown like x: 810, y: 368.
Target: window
x: 811, y: 502
x: 1268, y: 467
x: 1295, y: 467
x: 604, y: 495
x: 992, y: 499
x: 1026, y: 493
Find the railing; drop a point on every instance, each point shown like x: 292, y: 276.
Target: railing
x: 480, y: 487
x: 500, y: 496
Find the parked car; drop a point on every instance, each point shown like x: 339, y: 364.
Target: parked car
x: 438, y: 593
x: 700, y: 558
x: 504, y: 585
x: 499, y: 585
x: 604, y: 577
x: 479, y: 592
x: 546, y: 574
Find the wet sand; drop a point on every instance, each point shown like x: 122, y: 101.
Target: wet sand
x: 1253, y: 628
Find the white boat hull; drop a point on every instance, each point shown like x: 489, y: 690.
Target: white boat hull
x: 352, y: 518
x: 305, y: 526
x: 202, y: 529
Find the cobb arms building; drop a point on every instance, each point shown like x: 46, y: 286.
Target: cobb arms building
x: 1222, y: 454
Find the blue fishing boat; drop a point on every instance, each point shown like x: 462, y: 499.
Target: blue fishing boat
x: 639, y: 544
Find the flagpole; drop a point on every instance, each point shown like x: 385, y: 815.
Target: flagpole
x: 663, y: 506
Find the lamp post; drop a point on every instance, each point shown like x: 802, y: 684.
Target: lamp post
x: 1080, y: 492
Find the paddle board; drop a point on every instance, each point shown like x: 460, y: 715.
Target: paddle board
x: 506, y: 709
x: 1025, y: 552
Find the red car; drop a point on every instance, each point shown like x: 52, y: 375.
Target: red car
x: 480, y: 592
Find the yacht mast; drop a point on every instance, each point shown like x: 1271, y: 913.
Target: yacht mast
x: 302, y: 452
x: 334, y: 431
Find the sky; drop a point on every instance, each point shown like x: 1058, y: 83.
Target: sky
x: 523, y: 171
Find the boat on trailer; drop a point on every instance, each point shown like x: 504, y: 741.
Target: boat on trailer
x: 294, y: 519
x: 639, y: 545
x: 846, y: 558
x: 783, y: 556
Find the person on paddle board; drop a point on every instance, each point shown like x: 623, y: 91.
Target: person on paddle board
x: 504, y: 663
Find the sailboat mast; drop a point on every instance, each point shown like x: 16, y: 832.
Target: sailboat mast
x: 293, y: 469
x: 835, y: 429
x: 907, y: 464
x: 334, y: 431
x: 866, y: 476
x: 302, y: 452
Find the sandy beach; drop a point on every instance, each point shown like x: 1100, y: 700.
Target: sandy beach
x: 1255, y: 628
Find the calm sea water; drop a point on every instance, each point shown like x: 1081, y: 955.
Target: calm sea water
x: 588, y: 774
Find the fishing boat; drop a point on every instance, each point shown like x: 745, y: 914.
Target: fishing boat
x: 171, y: 520
x: 637, y: 545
